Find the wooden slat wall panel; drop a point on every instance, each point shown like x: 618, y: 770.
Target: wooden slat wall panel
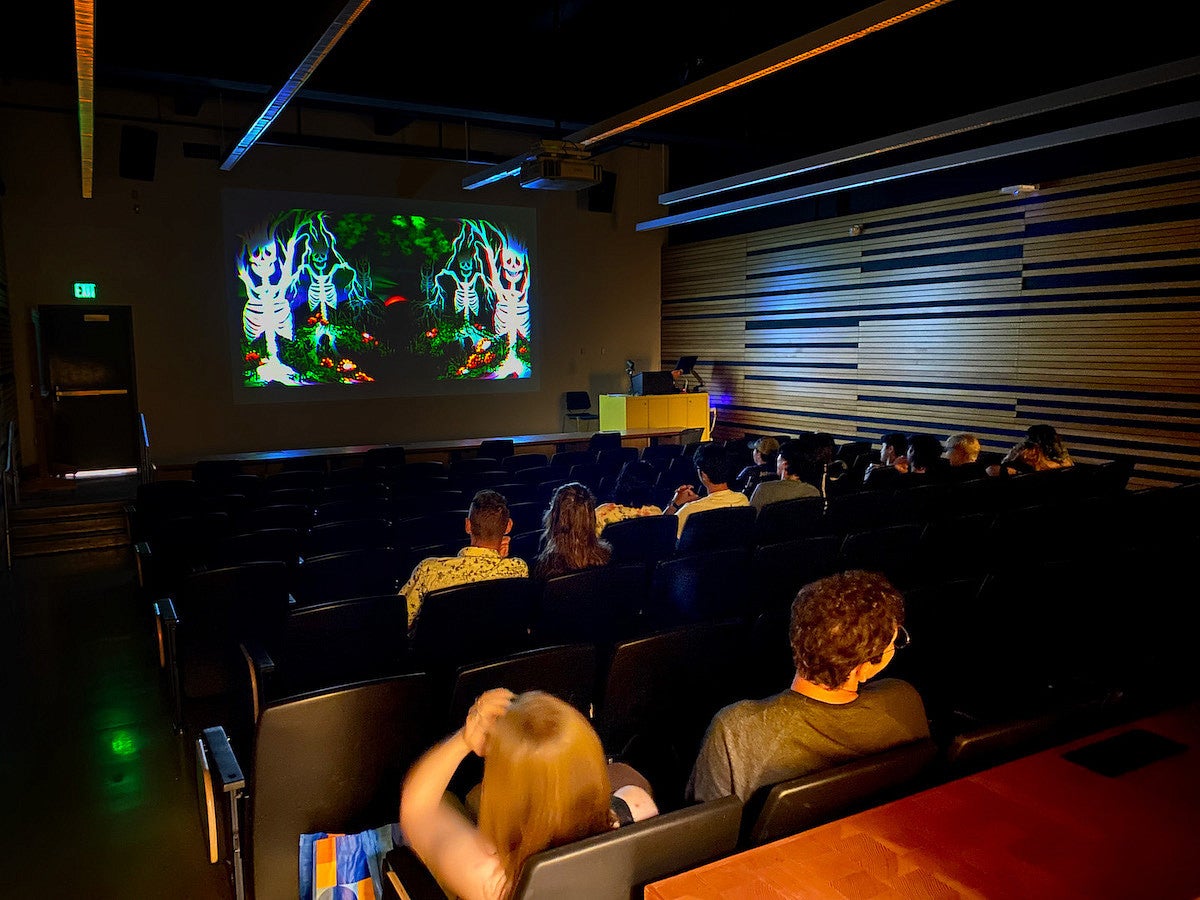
x: 1079, y: 306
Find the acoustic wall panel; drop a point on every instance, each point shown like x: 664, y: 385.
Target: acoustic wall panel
x: 1078, y: 306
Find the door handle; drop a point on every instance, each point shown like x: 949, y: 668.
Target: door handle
x: 116, y: 392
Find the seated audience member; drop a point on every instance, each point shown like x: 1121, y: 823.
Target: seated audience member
x: 893, y: 461
x: 962, y: 454
x: 1041, y: 450
x: 797, y: 458
x: 545, y: 784
x: 569, y: 540
x: 630, y: 497
x: 844, y: 631
x: 925, y: 459
x: 488, y: 524
x: 765, y: 453
x: 712, y: 466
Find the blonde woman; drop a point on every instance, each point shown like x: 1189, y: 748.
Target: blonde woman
x: 545, y: 783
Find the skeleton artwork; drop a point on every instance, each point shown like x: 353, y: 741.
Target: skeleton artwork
x: 507, y: 271
x: 267, y: 268
x: 465, y: 273
x: 321, y: 266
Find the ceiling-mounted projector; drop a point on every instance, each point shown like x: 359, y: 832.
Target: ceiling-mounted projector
x: 556, y: 173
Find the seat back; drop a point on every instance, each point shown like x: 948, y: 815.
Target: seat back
x: 717, y: 529
x: 645, y: 539
x: 620, y: 863
x: 332, y: 643
x: 698, y: 587
x: 599, y: 604
x: 267, y: 544
x: 568, y: 671
x: 332, y: 762
x: 789, y: 519
x: 496, y: 448
x: 350, y: 573
x: 659, y: 694
x: 577, y: 401
x: 468, y: 623
x: 218, y: 609
x: 792, y: 806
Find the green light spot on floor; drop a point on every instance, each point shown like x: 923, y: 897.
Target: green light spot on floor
x: 122, y: 743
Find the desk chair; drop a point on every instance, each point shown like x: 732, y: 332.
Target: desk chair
x: 579, y: 409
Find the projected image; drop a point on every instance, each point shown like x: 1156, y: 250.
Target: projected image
x: 347, y: 298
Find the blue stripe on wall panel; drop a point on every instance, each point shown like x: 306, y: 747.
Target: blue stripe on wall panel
x: 925, y: 401
x: 1112, y: 276
x: 1109, y: 260
x: 1155, y: 215
x: 1112, y: 407
x: 981, y: 254
x: 970, y: 386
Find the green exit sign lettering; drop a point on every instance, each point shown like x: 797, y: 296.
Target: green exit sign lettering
x: 85, y: 290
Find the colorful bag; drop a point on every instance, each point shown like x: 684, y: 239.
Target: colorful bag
x: 345, y: 866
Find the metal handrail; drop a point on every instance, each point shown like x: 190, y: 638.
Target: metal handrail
x: 10, y: 491
x: 145, y: 463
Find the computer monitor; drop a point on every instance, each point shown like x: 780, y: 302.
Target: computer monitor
x: 685, y: 364
x: 647, y: 383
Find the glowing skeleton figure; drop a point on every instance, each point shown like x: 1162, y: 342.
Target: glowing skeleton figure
x: 465, y: 273
x: 322, y: 264
x: 267, y: 311
x: 509, y: 283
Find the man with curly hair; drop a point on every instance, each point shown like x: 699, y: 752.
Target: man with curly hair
x: 844, y: 631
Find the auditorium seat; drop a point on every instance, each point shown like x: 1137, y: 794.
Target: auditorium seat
x: 777, y: 571
x: 498, y: 449
x: 614, y: 864
x: 894, y: 550
x: 376, y: 507
x: 385, y: 458
x: 601, y: 604
x: 263, y: 545
x: 562, y: 461
x: 327, y: 762
x: 644, y: 539
x: 283, y: 515
x: 177, y: 546
x: 789, y: 807
x: 310, y: 478
x: 469, y: 623
x: 273, y: 496
x: 349, y: 534
x: 789, y: 519
x: 721, y: 528
x: 660, y: 692
x: 697, y: 588
x: 363, y: 572
x: 519, y: 461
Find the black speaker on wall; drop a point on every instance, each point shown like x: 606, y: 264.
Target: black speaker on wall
x: 139, y: 148
x: 600, y: 196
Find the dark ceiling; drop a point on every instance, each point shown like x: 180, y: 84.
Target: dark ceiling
x: 551, y: 67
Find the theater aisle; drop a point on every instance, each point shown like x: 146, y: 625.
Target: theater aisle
x: 98, y: 796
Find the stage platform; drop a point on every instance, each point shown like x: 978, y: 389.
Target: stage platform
x: 265, y: 462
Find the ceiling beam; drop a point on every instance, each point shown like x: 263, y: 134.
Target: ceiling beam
x: 85, y: 71
x: 844, y: 31
x: 338, y: 27
x: 1123, y: 124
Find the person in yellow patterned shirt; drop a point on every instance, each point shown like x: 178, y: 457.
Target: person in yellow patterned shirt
x: 489, y: 525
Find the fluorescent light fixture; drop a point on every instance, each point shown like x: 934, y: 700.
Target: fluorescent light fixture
x: 1011, y: 112
x: 1120, y: 125
x: 101, y: 473
x: 844, y: 31
x: 85, y: 66
x: 332, y: 35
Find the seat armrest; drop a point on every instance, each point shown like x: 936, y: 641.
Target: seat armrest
x: 260, y: 666
x: 407, y: 878
x: 223, y: 762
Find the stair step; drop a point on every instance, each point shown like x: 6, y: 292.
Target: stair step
x: 44, y: 529
x: 24, y: 549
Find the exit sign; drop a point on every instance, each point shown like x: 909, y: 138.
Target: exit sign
x: 85, y: 290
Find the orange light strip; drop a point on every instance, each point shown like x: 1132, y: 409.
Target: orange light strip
x: 85, y: 65
x: 847, y: 30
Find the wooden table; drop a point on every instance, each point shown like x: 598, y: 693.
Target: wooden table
x: 1039, y: 827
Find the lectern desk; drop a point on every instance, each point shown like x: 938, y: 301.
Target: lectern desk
x: 624, y: 412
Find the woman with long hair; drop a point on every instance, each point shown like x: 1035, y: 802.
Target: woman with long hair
x: 545, y: 783
x: 630, y: 497
x: 1040, y: 450
x: 569, y: 539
